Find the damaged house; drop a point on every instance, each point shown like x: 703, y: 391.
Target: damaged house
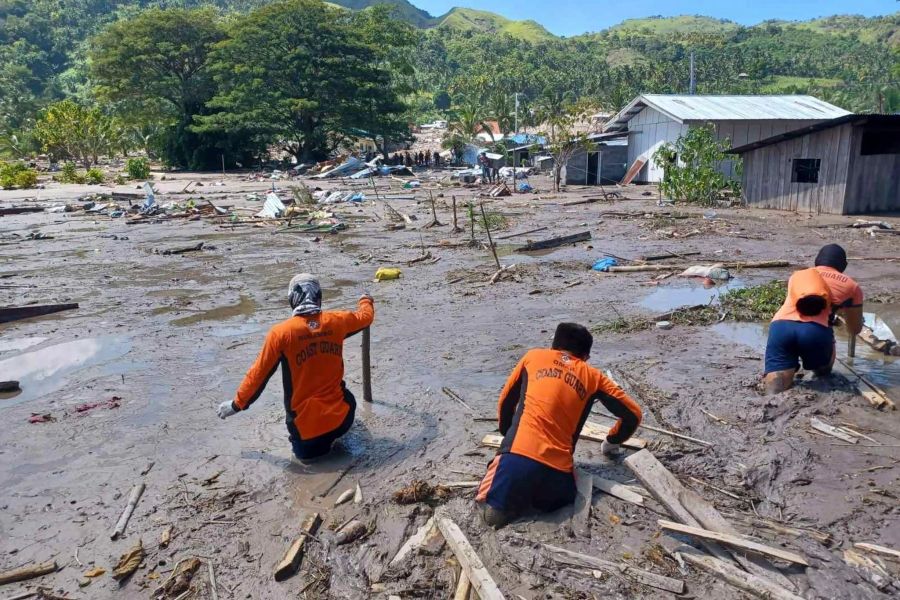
x: 651, y: 120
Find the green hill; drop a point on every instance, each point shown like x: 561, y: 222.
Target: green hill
x: 482, y: 21
x: 404, y: 10
x: 658, y: 25
x: 881, y: 30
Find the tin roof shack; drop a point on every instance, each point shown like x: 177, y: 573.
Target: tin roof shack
x: 654, y: 119
x: 845, y: 166
x: 603, y: 162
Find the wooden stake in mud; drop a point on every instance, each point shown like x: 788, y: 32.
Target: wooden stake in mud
x: 456, y: 227
x: 490, y: 240
x: 366, y: 365
x: 471, y: 223
x: 434, y: 219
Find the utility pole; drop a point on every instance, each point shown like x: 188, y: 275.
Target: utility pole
x: 693, y: 85
x: 517, y: 112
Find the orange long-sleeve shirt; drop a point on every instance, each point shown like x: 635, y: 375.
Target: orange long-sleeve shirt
x: 546, y: 401
x: 309, y: 349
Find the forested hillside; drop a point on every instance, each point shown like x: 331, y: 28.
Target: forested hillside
x: 469, y: 62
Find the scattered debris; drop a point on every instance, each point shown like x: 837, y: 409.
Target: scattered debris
x: 129, y: 562
x: 422, y: 491
x: 28, y: 572
x: 344, y: 497
x: 133, y: 499
x: 414, y: 541
x: 469, y: 560
x: 556, y: 242
x: 294, y: 555
x: 358, y: 495
x: 387, y: 274
x: 183, y: 250
x: 8, y: 315
x: 41, y: 418
x: 179, y: 581
x: 758, y: 586
x: 675, y: 586
x: 107, y: 404
x: 827, y: 429
x: 165, y: 537
x: 734, y: 540
x: 351, y: 532
x: 95, y: 572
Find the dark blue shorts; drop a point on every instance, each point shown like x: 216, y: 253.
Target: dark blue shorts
x: 790, y: 341
x: 321, y: 445
x: 517, y: 484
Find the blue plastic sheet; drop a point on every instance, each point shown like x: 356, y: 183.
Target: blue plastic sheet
x: 604, y: 264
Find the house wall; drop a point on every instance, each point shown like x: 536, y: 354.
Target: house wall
x: 649, y: 129
x: 768, y: 170
x: 612, y: 165
x: 873, y: 182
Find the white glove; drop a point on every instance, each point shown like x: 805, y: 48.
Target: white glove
x: 610, y: 449
x: 225, y: 410
x: 366, y: 295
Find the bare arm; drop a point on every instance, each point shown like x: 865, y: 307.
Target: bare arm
x: 853, y: 319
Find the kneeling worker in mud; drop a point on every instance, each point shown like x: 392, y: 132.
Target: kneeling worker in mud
x: 542, y: 409
x: 309, y: 349
x: 803, y: 326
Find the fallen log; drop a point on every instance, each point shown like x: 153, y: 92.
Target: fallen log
x: 29, y: 572
x: 194, y: 248
x: 294, y: 555
x: 675, y: 586
x: 555, y: 242
x: 468, y: 559
x: 133, y: 499
x: 758, y: 586
x: 19, y: 210
x: 8, y: 315
x: 734, y: 540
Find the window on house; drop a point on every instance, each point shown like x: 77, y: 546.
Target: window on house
x: 805, y: 170
x: 880, y: 141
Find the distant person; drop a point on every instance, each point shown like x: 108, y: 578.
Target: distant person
x: 427, y: 158
x: 485, y: 163
x: 541, y: 412
x: 409, y: 162
x: 802, y: 329
x: 437, y: 160
x: 309, y: 349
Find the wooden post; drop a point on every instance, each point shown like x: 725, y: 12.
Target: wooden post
x: 366, y: 365
x: 851, y: 346
x: 490, y: 240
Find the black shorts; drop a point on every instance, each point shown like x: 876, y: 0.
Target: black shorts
x: 791, y: 341
x: 517, y: 484
x: 321, y: 445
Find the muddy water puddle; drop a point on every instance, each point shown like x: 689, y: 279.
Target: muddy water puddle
x: 878, y: 368
x: 671, y: 297
x: 245, y: 307
x: 17, y: 345
x: 48, y: 368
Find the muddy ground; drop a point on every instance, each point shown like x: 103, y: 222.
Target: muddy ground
x: 170, y: 336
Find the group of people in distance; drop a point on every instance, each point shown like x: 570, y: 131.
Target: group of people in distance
x: 547, y: 397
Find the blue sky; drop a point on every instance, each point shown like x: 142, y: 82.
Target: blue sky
x: 572, y: 17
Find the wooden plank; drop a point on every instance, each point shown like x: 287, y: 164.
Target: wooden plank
x: 827, y: 429
x: 468, y: 559
x: 512, y: 235
x: 581, y: 518
x: 597, y: 433
x: 414, y: 541
x: 18, y: 210
x: 582, y: 236
x: 876, y: 396
x: 29, y: 572
x: 690, y: 509
x: 10, y: 314
x: 294, y: 556
x: 758, y: 586
x: 632, y: 172
x: 463, y: 587
x: 676, y: 586
x: 620, y: 491
x: 877, y: 549
x: 734, y: 540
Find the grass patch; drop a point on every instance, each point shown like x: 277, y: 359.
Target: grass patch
x: 756, y: 303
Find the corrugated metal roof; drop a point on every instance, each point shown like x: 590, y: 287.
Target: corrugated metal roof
x: 685, y: 108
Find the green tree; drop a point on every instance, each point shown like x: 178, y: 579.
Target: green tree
x: 157, y: 66
x: 692, y: 166
x: 67, y: 130
x: 563, y: 138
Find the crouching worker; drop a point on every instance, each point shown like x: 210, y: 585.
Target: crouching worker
x: 802, y: 327
x: 309, y: 349
x: 542, y: 409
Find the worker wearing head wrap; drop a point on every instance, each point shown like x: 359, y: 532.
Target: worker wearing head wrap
x: 541, y: 412
x: 309, y: 349
x: 802, y: 327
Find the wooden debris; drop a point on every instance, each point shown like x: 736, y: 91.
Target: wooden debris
x: 461, y: 484
x: 765, y: 264
x: 676, y: 586
x: 95, y: 572
x: 756, y: 522
x: 20, y: 210
x: 129, y: 562
x: 344, y: 497
x: 29, y: 572
x: 556, y: 242
x: 179, y: 582
x: 351, y: 532
x: 633, y: 170
x: 146, y: 469
x: 872, y: 570
x: 10, y: 314
x: 758, y: 586
x: 734, y: 540
x: 454, y: 396
x: 21, y: 596
x: 581, y: 519
x: 182, y: 250
x: 165, y: 537
x: 690, y: 509
x: 212, y: 581
x: 713, y: 487
x: 877, y: 549
x: 469, y: 560
x: 133, y: 498
x: 668, y: 255
x: 9, y: 386
x: 463, y: 587
x: 414, y: 541
x: 421, y: 491
x: 876, y: 396
x: 591, y: 431
x: 620, y: 491
x: 294, y: 555
x: 520, y: 234
x: 827, y: 429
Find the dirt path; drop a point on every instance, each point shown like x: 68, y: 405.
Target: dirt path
x: 170, y: 336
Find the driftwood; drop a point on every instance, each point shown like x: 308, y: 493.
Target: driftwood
x: 18, y: 210
x: 734, y: 540
x: 676, y: 586
x: 29, y: 572
x: 133, y: 499
x: 468, y: 559
x: 194, y: 248
x: 555, y: 242
x: 520, y: 234
x: 8, y: 315
x: 758, y: 586
x: 294, y: 555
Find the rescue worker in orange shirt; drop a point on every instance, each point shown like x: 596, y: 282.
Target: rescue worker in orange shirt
x: 309, y: 348
x: 541, y: 411
x: 803, y: 326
